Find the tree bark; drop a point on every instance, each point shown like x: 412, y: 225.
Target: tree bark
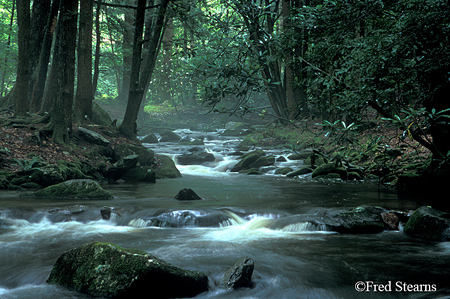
x: 84, y: 95
x: 141, y: 78
x: 44, y: 58
x: 127, y: 54
x: 98, y: 42
x: 23, y: 73
x: 61, y: 113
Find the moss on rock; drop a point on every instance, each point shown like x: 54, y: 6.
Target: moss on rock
x: 107, y: 270
x: 75, y: 189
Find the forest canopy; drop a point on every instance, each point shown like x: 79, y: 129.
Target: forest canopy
x: 341, y: 63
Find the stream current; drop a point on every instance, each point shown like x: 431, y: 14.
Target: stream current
x: 264, y: 217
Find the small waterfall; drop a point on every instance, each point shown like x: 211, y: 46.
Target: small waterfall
x: 304, y: 227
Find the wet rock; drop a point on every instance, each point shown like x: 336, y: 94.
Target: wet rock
x: 168, y: 136
x: 107, y: 270
x: 118, y: 169
x: 283, y: 170
x: 324, y: 169
x: 106, y: 212
x: 140, y: 174
x: 301, y: 171
x: 391, y: 220
x: 92, y: 137
x: 247, y: 144
x: 187, y: 194
x: 75, y: 189
x: 248, y: 159
x: 150, y: 138
x: 240, y: 275
x: 429, y: 223
x: 165, y: 168
x: 146, y: 156
x: 360, y: 220
x: 194, y: 158
x: 263, y: 161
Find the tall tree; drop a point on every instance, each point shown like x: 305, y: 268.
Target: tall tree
x: 140, y: 75
x: 84, y: 95
x: 61, y: 112
x: 44, y: 58
x: 23, y: 73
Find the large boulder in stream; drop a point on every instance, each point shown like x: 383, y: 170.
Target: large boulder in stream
x: 107, y: 270
x: 165, y: 167
x: 195, y: 158
x: 247, y: 160
x: 168, y: 136
x: 429, y: 223
x: 360, y: 220
x: 75, y: 189
x: 146, y: 157
x: 240, y: 275
x: 117, y: 170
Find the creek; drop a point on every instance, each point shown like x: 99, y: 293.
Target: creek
x: 239, y: 215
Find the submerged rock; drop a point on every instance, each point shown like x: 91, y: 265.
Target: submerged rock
x: 429, y: 223
x: 240, y: 275
x: 107, y: 270
x: 75, y: 189
x: 187, y: 194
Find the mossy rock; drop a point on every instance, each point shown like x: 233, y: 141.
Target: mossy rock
x: 168, y: 136
x: 146, y: 156
x: 246, y: 144
x: 107, y: 270
x: 301, y: 171
x: 429, y: 223
x: 263, y: 161
x: 324, y: 169
x: 283, y: 170
x: 100, y: 116
x: 165, y: 168
x: 318, y: 161
x: 140, y: 174
x: 247, y: 160
x: 150, y: 138
x: 75, y: 189
x: 353, y: 175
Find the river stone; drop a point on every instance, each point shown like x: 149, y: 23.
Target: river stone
x: 360, y: 220
x: 247, y: 159
x: 324, y: 169
x: 240, y: 275
x: 146, y: 156
x: 117, y: 170
x: 165, y: 168
x: 301, y: 171
x: 139, y: 174
x: 187, y: 194
x: 263, y: 161
x: 168, y: 136
x: 195, y: 158
x: 150, y: 138
x: 75, y: 189
x: 107, y: 270
x: 429, y: 223
x: 92, y: 137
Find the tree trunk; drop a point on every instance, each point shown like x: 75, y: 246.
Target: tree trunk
x: 84, y: 96
x: 40, y: 13
x: 98, y: 42
x: 167, y: 43
x: 127, y: 54
x: 139, y: 80
x: 7, y: 50
x: 23, y: 74
x: 44, y: 58
x: 61, y: 113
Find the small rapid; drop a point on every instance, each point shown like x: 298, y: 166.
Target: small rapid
x: 272, y: 219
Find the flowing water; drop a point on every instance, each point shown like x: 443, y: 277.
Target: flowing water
x: 263, y: 217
